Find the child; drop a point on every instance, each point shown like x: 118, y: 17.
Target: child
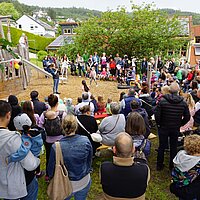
x: 108, y: 111
x: 93, y: 75
x: 69, y: 106
x: 31, y: 139
x: 103, y: 74
x: 186, y: 172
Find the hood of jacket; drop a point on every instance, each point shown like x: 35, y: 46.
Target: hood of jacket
x: 5, y: 136
x: 173, y: 98
x: 185, y: 162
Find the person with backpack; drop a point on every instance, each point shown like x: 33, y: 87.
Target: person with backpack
x: 135, y: 127
x: 51, y: 121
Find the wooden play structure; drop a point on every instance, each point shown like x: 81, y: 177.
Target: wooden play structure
x: 15, y: 65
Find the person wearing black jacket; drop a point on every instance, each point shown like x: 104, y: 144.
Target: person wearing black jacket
x: 16, y: 109
x: 39, y: 107
x: 124, y: 178
x: 171, y: 113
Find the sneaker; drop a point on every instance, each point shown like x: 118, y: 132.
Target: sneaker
x: 40, y: 174
x: 96, y: 85
x: 58, y: 93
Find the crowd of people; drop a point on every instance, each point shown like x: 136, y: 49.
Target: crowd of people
x: 172, y: 99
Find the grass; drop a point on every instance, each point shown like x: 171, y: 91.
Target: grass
x: 36, y: 62
x: 158, y: 188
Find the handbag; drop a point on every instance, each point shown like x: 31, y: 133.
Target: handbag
x: 60, y: 186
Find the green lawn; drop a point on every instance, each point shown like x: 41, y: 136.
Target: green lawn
x: 158, y: 188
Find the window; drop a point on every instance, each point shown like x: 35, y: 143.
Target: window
x: 31, y: 27
x: 67, y: 31
x: 197, y: 51
x: 20, y: 26
x: 36, y: 27
x: 197, y: 38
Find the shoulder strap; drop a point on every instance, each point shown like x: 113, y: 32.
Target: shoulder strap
x: 81, y: 125
x: 59, y: 156
x: 142, y: 145
x: 113, y: 126
x: 146, y: 103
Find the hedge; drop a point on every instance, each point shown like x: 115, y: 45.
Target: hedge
x: 36, y: 42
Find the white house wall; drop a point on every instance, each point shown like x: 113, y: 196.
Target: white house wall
x: 51, y: 33
x: 29, y: 25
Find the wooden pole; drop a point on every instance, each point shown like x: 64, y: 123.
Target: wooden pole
x: 1, y: 30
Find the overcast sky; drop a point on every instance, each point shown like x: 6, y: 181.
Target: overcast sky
x: 103, y: 5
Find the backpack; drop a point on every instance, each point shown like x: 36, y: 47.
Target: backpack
x: 143, y: 150
x: 53, y: 126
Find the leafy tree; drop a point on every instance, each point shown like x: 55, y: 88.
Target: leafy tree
x: 8, y: 9
x: 144, y: 32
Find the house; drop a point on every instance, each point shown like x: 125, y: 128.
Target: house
x: 68, y: 33
x: 194, y: 50
x: 35, y: 26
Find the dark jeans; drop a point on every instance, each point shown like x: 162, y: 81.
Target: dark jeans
x: 81, y: 68
x: 48, y: 150
x: 164, y: 134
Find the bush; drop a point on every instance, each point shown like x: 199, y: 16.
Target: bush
x: 36, y: 42
x: 41, y: 55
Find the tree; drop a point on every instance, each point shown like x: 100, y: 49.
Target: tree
x: 8, y: 9
x: 51, y: 13
x: 143, y: 32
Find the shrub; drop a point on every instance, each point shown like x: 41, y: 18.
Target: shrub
x: 41, y: 55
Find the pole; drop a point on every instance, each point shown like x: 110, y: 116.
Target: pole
x: 149, y: 74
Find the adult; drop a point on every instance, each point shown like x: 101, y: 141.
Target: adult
x: 112, y: 125
x: 144, y: 66
x: 77, y: 156
x: 123, y: 178
x: 14, y: 185
x: 171, y: 113
x: 147, y: 100
x: 194, y: 87
x: 85, y: 101
x: 51, y: 121
x: 55, y: 74
x: 103, y: 61
x: 16, y: 109
x: 96, y: 60
x: 125, y: 105
x: 64, y: 65
x: 87, y: 125
x: 197, y: 111
x: 80, y: 63
x: 39, y: 107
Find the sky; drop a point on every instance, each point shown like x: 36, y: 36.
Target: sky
x: 103, y: 5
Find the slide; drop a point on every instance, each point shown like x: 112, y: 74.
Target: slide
x: 37, y: 68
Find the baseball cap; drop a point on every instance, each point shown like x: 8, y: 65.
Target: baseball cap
x: 22, y: 120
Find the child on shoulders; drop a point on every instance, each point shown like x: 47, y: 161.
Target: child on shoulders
x: 31, y: 139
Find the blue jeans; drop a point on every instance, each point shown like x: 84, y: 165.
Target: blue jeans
x: 32, y: 190
x: 55, y: 85
x: 82, y: 194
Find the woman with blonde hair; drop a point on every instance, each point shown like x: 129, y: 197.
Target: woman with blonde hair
x: 191, y: 105
x: 77, y: 156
